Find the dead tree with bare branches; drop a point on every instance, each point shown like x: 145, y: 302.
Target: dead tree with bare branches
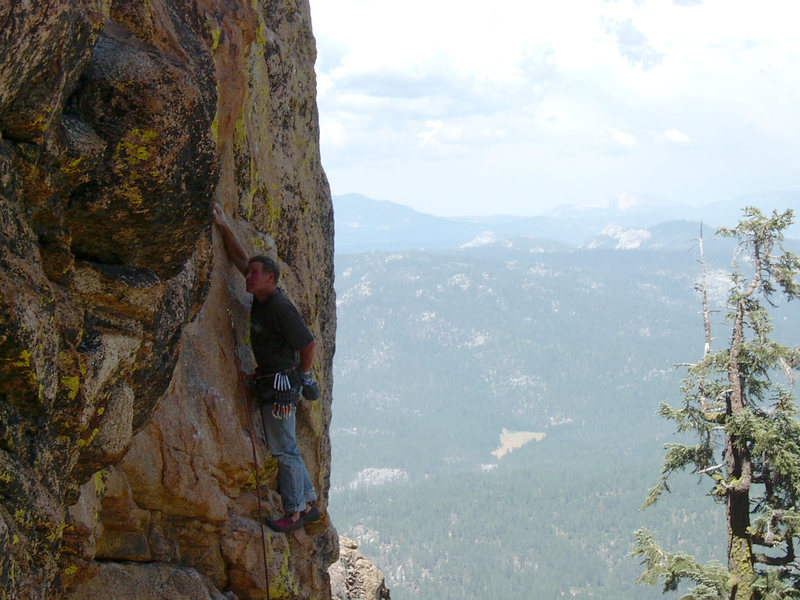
x: 743, y: 420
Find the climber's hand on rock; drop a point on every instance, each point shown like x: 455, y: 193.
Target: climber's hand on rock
x: 219, y: 216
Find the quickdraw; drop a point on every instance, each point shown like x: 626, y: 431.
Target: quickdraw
x: 285, y: 396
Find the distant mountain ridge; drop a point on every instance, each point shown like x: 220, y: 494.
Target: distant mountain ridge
x: 364, y: 224
x: 565, y: 327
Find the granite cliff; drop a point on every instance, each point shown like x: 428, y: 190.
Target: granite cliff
x: 125, y: 463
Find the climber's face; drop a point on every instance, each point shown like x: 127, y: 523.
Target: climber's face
x: 260, y: 284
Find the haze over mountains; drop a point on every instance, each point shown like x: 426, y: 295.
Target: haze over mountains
x: 364, y: 224
x: 558, y: 333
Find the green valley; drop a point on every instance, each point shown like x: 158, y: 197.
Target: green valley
x: 440, y: 351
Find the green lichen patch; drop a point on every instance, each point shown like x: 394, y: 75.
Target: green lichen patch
x: 135, y: 147
x: 267, y: 474
x: 284, y: 585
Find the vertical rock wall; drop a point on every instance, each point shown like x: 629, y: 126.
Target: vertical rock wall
x: 125, y: 461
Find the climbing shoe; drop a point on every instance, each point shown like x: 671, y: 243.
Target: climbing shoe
x: 286, y: 523
x: 311, y: 514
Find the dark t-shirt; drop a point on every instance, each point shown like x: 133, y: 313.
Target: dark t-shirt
x: 277, y: 331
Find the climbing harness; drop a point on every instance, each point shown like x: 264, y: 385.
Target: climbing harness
x: 243, y: 396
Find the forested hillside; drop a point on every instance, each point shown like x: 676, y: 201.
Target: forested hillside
x: 439, y: 352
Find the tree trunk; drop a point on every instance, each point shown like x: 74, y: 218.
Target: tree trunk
x: 739, y: 474
x: 740, y: 551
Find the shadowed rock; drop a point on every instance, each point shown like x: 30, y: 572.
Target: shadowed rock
x: 122, y: 433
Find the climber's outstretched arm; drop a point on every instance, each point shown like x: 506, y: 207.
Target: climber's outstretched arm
x: 233, y: 246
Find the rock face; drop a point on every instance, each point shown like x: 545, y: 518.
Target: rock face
x: 354, y: 577
x: 126, y: 467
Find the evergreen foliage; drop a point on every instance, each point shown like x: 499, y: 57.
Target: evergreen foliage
x: 438, y: 351
x: 745, y: 432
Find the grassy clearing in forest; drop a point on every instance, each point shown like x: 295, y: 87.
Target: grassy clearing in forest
x: 511, y: 440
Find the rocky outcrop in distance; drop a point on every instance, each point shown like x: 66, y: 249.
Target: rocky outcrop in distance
x: 355, y: 577
x: 126, y: 469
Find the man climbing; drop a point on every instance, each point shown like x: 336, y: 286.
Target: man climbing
x: 283, y: 348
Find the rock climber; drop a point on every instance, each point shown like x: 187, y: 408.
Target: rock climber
x: 283, y: 348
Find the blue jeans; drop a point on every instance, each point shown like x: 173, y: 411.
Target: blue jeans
x: 295, y: 484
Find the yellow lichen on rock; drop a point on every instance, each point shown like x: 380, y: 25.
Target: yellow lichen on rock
x: 117, y: 369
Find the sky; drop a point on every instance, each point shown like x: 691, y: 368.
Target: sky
x: 459, y: 107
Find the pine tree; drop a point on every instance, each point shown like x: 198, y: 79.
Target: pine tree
x: 746, y: 434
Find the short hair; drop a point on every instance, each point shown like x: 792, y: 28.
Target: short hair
x: 267, y: 265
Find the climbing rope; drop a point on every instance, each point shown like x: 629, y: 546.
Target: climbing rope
x: 243, y: 396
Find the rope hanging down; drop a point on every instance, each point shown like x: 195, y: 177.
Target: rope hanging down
x: 243, y: 396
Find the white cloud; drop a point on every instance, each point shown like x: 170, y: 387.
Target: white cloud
x: 674, y: 136
x: 441, y: 138
x: 622, y: 138
x: 448, y: 103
